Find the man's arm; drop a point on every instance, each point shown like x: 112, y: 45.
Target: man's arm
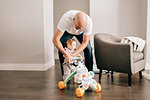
x: 56, y: 40
x: 83, y: 45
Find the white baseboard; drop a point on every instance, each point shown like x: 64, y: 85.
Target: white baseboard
x: 147, y: 66
x: 27, y: 67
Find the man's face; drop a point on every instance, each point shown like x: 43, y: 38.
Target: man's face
x: 76, y: 24
x: 77, y: 27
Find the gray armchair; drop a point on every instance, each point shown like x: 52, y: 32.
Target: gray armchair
x: 112, y: 55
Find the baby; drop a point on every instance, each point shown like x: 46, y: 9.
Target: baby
x: 70, y: 48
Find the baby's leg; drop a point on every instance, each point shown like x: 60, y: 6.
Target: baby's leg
x: 67, y: 71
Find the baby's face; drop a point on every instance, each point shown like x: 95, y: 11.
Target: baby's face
x: 72, y: 45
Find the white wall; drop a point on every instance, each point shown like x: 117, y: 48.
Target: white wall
x: 62, y: 6
x: 119, y: 17
x: 148, y: 35
x: 21, y: 28
x: 25, y: 29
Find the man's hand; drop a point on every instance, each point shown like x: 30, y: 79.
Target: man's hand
x: 80, y: 56
x: 73, y: 54
x: 68, y: 58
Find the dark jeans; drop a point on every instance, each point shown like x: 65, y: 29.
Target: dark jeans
x: 87, y: 51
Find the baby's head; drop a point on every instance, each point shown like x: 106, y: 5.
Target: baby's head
x: 71, y: 44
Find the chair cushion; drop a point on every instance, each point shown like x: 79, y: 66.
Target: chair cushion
x: 137, y: 56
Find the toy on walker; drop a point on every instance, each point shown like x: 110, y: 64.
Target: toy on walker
x: 82, y: 77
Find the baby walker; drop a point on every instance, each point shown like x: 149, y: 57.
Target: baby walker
x: 82, y: 77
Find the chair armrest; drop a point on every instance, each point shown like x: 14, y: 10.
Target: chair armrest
x: 111, y: 55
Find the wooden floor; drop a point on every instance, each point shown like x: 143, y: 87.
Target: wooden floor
x: 24, y: 85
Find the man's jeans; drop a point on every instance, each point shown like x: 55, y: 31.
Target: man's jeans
x: 87, y: 51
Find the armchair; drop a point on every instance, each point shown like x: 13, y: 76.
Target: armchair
x: 112, y: 55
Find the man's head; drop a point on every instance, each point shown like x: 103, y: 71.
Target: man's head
x: 80, y: 20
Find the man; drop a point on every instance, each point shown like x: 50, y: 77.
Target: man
x: 74, y: 23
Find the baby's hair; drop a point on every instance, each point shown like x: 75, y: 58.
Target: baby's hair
x: 71, y: 41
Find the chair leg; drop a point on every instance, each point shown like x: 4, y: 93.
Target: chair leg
x: 112, y: 73
x: 107, y: 72
x: 112, y: 77
x: 129, y: 79
x: 100, y: 75
x: 140, y: 74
